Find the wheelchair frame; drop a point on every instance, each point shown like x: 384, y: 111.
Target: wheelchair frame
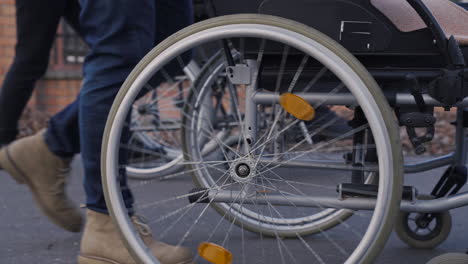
x: 455, y: 63
x: 457, y: 158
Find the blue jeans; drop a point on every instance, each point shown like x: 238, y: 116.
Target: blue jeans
x: 119, y: 33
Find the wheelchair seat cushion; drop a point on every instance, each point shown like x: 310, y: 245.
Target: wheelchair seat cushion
x: 452, y: 18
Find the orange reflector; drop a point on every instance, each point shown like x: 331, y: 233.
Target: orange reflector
x: 214, y: 253
x: 297, y: 106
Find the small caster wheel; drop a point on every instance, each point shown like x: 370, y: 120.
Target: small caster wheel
x: 450, y: 258
x: 423, y: 231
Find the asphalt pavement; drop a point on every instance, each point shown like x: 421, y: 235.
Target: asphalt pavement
x: 27, y: 237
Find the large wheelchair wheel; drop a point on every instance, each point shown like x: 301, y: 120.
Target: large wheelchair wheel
x: 271, y: 177
x: 214, y: 76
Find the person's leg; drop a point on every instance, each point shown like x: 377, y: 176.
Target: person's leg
x: 62, y: 135
x: 172, y: 16
x: 30, y: 160
x: 120, y: 33
x: 71, y: 14
x: 36, y: 23
x: 120, y: 36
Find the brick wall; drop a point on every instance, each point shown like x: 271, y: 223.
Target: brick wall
x: 7, y: 35
x: 52, y: 95
x: 57, y: 89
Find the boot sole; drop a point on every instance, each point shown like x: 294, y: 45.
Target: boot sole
x: 95, y: 260
x: 19, y: 176
x: 98, y: 260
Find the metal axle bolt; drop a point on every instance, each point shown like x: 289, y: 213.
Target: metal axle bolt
x: 243, y: 170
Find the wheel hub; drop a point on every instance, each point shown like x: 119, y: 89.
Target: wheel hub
x: 243, y: 170
x: 423, y: 221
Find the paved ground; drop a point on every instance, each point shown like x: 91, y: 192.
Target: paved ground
x: 27, y: 237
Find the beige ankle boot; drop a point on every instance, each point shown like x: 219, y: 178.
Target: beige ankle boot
x: 29, y: 161
x: 101, y: 243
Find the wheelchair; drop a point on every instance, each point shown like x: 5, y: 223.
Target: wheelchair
x: 252, y: 130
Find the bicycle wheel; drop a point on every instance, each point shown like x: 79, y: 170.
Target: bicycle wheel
x: 274, y: 180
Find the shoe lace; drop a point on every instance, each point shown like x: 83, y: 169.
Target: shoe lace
x: 140, y: 223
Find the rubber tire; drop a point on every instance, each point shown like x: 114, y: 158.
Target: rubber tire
x: 450, y: 258
x: 401, y: 231
x: 374, y: 89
